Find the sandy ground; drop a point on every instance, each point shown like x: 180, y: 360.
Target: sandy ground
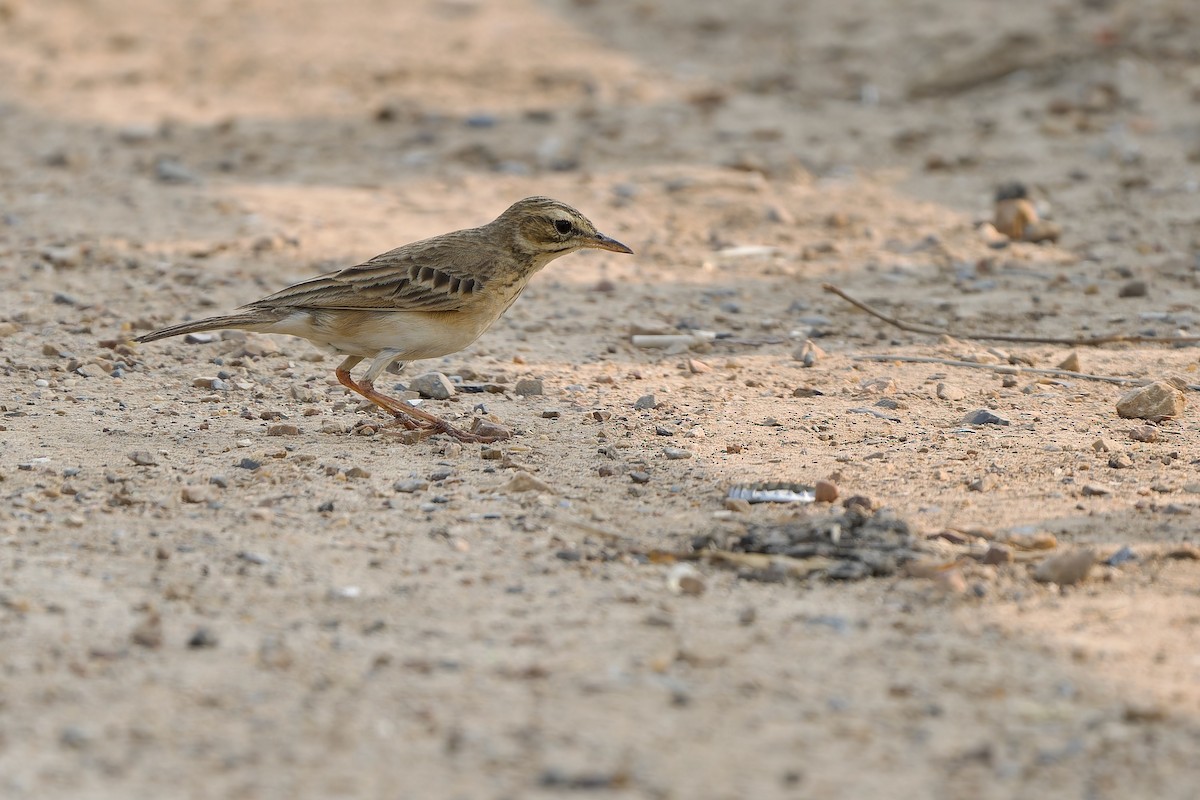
x: 332, y: 613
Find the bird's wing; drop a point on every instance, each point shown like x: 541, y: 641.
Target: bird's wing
x: 428, y: 276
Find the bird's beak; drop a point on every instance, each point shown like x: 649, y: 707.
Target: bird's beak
x: 602, y: 242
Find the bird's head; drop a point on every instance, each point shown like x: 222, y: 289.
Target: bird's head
x: 545, y: 229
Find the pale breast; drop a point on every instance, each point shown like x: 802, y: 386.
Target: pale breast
x: 365, y: 333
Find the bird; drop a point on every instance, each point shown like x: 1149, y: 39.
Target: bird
x: 425, y: 299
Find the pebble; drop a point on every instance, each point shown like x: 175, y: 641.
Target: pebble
x: 357, y: 472
x: 524, y: 482
x: 645, y: 402
x: 676, y: 453
x: 639, y: 477
x: 143, y: 458
x: 202, y: 639
x: 253, y: 558
x: 1120, y: 461
x: 808, y: 353
x: 195, y: 494
x: 1103, y: 445
x: 684, y: 579
x: 825, y: 492
x: 997, y: 554
x: 410, y: 486
x: 432, y: 385
x: 489, y: 429
x: 551, y: 413
x: 1144, y: 433
x: 982, y: 416
x: 149, y: 632
x: 528, y: 387
x: 74, y: 737
x: 169, y: 170
x: 283, y: 429
x: 697, y: 367
x: 210, y: 383
x: 1122, y: 556
x: 1134, y: 289
x: 878, y: 386
x: 948, y: 391
x: 664, y: 430
x: 334, y: 426
x: 1153, y: 401
x: 249, y: 463
x: 1066, y: 569
x: 1071, y: 363
x: 1091, y: 490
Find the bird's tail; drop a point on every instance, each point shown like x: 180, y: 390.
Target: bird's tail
x: 258, y: 319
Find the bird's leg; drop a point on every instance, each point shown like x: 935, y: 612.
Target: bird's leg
x: 366, y: 388
x: 403, y: 410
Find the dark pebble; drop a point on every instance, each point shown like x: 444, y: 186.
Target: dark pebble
x: 203, y: 638
x: 982, y: 416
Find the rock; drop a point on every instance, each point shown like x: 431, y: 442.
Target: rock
x: 202, y: 639
x: 1066, y: 569
x: 997, y: 554
x: 410, y: 486
x: 432, y: 385
x: 1103, y: 445
x: 676, y: 453
x: 490, y: 430
x: 249, y: 464
x: 283, y: 429
x: 1014, y: 213
x: 639, y: 477
x: 210, y: 383
x: 143, y: 458
x: 685, y: 579
x: 1153, y: 401
x: 149, y: 632
x: 357, y: 472
x: 195, y: 494
x: 305, y: 394
x: 1071, y: 362
x: 808, y: 353
x: 1144, y: 433
x: 645, y: 402
x: 1091, y: 490
x: 524, y: 482
x: 528, y: 387
x: 697, y: 367
x: 982, y: 416
x: 8, y: 329
x: 738, y: 505
x: 1134, y: 289
x: 169, y: 170
x: 251, y: 557
x: 551, y: 413
x: 825, y: 491
x: 877, y: 386
x: 335, y: 426
x: 984, y: 483
x: 1120, y: 461
x: 948, y: 391
x: 1122, y: 556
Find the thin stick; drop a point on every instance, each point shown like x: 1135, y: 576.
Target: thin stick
x: 1090, y: 341
x: 1008, y: 369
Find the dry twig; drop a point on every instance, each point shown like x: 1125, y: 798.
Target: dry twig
x: 1088, y: 341
x: 1008, y: 369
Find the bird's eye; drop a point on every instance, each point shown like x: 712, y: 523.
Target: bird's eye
x: 562, y: 226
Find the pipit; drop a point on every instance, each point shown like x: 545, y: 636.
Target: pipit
x: 423, y: 300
